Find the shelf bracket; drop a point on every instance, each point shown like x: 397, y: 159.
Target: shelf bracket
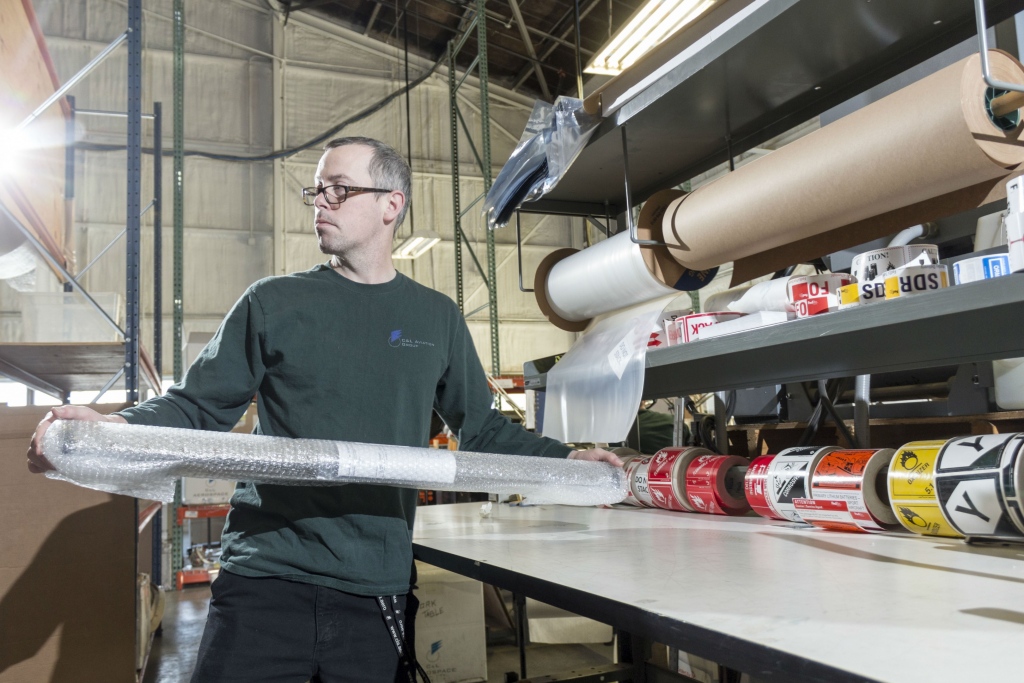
x: 629, y: 204
x: 519, y: 251
x: 999, y: 91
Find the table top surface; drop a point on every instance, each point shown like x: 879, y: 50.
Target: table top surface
x: 804, y: 602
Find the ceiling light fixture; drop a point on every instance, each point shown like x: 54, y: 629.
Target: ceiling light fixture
x: 650, y: 25
x: 416, y: 245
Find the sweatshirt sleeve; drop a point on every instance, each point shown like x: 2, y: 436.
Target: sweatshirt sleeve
x: 463, y: 401
x: 221, y: 383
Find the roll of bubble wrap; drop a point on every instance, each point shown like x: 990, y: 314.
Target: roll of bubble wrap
x: 146, y: 461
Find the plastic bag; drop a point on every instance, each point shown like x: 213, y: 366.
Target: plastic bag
x: 553, y: 138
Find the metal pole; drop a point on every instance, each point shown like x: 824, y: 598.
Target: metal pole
x: 408, y: 110
x: 158, y: 232
x: 579, y: 59
x: 179, y: 182
x: 69, y: 189
x: 721, y: 423
x: 457, y: 222
x: 485, y: 153
x: 179, y: 231
x: 519, y: 601
x: 82, y: 73
x: 134, y: 203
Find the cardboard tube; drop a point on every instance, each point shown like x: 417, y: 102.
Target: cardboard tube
x: 929, y: 139
x: 1005, y: 104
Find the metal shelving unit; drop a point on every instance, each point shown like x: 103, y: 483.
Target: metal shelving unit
x: 60, y: 368
x: 769, y: 66
x: 483, y: 159
x: 745, y: 77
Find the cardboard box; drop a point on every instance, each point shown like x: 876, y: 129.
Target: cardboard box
x: 547, y: 624
x: 206, y: 491
x: 451, y: 642
x: 67, y: 571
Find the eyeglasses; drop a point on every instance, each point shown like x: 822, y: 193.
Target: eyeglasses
x: 334, y: 194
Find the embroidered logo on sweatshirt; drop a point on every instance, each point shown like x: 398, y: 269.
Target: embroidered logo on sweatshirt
x: 396, y: 340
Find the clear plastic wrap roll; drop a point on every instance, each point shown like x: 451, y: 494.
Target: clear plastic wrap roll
x: 146, y: 461
x: 594, y: 390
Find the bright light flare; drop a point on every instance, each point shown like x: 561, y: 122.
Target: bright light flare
x: 12, y: 148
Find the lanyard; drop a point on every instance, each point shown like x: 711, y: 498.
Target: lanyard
x: 395, y: 622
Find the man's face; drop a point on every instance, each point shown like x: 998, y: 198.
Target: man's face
x: 357, y: 221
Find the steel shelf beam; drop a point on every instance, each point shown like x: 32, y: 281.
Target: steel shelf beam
x: 964, y: 324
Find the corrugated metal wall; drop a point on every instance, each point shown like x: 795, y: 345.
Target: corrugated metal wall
x: 234, y: 231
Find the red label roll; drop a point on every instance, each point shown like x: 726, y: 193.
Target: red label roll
x: 755, y: 486
x: 666, y: 477
x: 714, y: 484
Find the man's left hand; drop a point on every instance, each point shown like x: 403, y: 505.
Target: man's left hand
x: 597, y: 455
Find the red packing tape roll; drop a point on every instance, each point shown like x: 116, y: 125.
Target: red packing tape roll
x: 848, y: 492
x: 755, y: 486
x: 666, y: 477
x: 714, y: 484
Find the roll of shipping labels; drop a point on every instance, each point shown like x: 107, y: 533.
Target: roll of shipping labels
x: 789, y: 478
x: 911, y: 484
x: 714, y: 484
x: 915, y: 280
x: 666, y: 477
x: 978, y: 485
x: 848, y: 492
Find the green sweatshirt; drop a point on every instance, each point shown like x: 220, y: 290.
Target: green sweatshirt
x: 329, y: 358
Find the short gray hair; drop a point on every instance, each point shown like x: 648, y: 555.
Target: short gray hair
x: 387, y: 168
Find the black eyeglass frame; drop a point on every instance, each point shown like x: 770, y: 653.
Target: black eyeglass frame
x: 309, y: 194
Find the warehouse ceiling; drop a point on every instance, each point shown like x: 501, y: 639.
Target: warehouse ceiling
x: 512, y: 63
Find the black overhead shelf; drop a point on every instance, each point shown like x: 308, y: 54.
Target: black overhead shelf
x: 968, y: 323
x: 768, y: 68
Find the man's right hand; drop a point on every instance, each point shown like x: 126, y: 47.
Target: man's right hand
x: 37, y: 462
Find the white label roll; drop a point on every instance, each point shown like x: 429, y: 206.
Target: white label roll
x: 914, y: 280
x: 789, y: 478
x: 971, y: 477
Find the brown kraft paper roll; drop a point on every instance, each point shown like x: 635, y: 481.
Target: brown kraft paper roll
x: 929, y: 139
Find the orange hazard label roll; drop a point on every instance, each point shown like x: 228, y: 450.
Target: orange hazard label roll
x: 848, y: 492
x: 714, y: 484
x: 911, y: 486
x: 666, y: 477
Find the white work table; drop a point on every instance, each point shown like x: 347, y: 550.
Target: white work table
x: 777, y: 600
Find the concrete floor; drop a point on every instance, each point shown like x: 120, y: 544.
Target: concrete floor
x: 174, y: 652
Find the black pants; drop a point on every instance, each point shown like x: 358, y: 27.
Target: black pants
x: 274, y: 631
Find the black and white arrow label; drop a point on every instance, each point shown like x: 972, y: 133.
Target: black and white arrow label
x: 972, y: 453
x: 971, y: 505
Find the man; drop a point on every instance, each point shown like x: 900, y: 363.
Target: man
x: 350, y: 350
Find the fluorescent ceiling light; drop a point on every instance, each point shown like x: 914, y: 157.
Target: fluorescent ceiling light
x: 416, y: 245
x: 650, y: 25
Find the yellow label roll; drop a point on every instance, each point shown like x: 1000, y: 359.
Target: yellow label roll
x: 849, y: 296
x: 912, y: 489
